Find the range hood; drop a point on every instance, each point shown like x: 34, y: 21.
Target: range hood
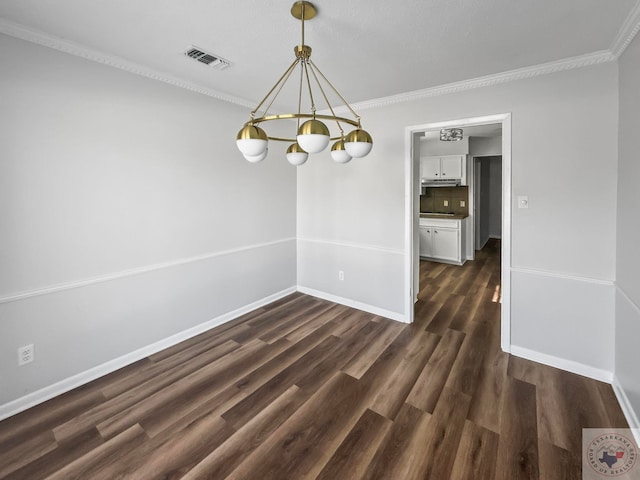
x: 440, y: 182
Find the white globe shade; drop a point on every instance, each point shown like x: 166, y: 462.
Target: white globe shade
x: 339, y: 154
x: 297, y: 158
x: 257, y: 158
x: 313, y: 136
x: 252, y: 146
x: 313, y: 143
x: 358, y: 143
x: 296, y: 155
x: 251, y: 140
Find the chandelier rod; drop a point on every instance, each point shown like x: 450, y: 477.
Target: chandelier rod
x: 313, y: 71
x: 300, y: 88
x: 302, y: 19
x: 285, y: 74
x: 306, y: 74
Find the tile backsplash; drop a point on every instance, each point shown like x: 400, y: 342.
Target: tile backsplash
x: 445, y: 199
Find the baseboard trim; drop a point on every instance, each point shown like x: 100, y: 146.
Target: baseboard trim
x: 63, y: 386
x: 353, y: 304
x: 563, y: 364
x: 627, y: 409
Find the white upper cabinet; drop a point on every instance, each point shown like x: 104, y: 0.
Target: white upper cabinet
x: 443, y: 168
x: 451, y: 167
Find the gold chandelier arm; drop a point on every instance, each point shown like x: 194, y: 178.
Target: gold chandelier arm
x: 336, y: 91
x: 280, y: 82
x: 306, y: 73
x: 313, y: 71
x: 298, y: 116
x: 300, y: 88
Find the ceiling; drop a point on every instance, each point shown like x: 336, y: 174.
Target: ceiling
x: 369, y: 49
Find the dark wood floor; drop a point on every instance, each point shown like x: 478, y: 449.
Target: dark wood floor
x: 305, y: 388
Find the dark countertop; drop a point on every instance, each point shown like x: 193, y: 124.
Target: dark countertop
x: 449, y: 217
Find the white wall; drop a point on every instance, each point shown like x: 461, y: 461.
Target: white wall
x: 437, y: 147
x: 628, y: 236
x: 128, y: 216
x: 363, y: 203
x: 485, y: 146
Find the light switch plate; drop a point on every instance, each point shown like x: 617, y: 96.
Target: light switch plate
x: 523, y: 201
x: 446, y: 203
x: 462, y: 203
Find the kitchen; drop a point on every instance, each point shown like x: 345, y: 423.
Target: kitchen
x: 455, y: 216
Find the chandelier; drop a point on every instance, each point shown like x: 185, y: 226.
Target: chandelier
x: 312, y: 135
x: 450, y: 134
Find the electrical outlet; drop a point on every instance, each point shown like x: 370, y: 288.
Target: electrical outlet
x: 341, y: 275
x: 446, y: 203
x: 25, y: 355
x: 462, y: 203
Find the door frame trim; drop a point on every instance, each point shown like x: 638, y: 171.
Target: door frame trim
x: 412, y: 217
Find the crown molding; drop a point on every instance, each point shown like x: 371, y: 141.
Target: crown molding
x: 490, y: 80
x: 51, y: 41
x: 627, y: 32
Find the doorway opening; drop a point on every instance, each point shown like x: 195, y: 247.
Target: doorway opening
x: 487, y: 162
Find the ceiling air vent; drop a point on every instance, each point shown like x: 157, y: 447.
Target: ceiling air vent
x: 207, y: 58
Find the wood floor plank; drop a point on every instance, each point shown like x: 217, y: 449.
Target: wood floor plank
x: 425, y: 311
x: 249, y: 407
x: 219, y: 394
x: 173, y: 454
x: 518, y: 433
x: 395, y: 458
x: 95, y: 463
x: 281, y: 329
x: 365, y: 358
x: 265, y: 372
x: 354, y: 454
x: 392, y: 394
x: 556, y: 463
x: 350, y: 321
x: 435, y: 455
x: 64, y: 454
x: 483, y: 411
x: 23, y: 426
x: 221, y: 461
x: 477, y: 454
x: 463, y: 376
x: 316, y: 322
x: 216, y: 373
x: 26, y: 452
x: 427, y: 388
x: 303, y: 445
x: 441, y: 320
x: 175, y: 366
x: 114, y: 406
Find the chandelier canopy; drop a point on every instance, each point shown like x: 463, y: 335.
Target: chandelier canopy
x: 313, y: 135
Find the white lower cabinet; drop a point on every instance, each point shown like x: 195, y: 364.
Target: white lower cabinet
x: 441, y: 239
